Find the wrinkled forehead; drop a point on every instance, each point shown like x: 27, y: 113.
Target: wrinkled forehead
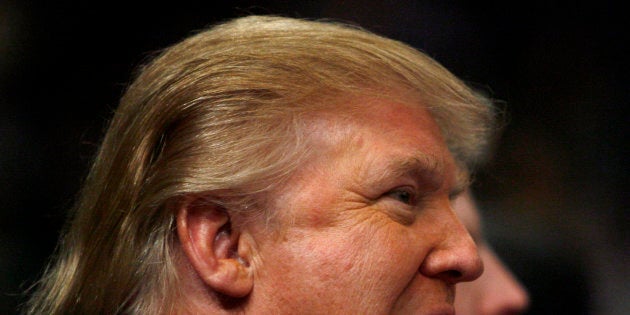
x: 381, y: 112
x: 401, y: 129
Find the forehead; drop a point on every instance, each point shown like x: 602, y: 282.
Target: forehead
x: 397, y: 122
x: 467, y: 211
x: 382, y: 135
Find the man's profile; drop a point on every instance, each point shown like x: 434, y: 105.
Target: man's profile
x: 276, y: 166
x: 497, y: 291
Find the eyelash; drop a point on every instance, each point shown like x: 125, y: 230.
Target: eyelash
x: 408, y: 195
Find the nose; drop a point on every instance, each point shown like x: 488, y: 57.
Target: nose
x: 454, y: 258
x: 500, y: 292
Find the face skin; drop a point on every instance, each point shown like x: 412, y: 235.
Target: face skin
x: 497, y: 291
x: 366, y: 226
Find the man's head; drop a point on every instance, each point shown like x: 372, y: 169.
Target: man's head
x: 267, y: 160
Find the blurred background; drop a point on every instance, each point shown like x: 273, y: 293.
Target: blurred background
x: 554, y: 197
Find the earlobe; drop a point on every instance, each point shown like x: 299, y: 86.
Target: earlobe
x: 212, y: 246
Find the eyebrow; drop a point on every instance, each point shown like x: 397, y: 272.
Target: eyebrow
x: 429, y: 171
x: 422, y: 168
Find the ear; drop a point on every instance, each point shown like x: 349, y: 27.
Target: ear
x: 212, y: 246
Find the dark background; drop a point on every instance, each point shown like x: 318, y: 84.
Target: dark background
x: 555, y: 196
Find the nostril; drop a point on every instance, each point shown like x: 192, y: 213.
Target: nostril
x: 453, y: 274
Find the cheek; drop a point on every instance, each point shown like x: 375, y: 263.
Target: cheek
x: 362, y: 265
x: 375, y: 265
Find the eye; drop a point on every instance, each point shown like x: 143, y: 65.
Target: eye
x: 403, y: 195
